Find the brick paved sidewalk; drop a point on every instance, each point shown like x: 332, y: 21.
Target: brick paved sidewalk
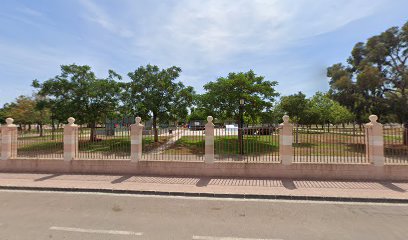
x: 233, y: 187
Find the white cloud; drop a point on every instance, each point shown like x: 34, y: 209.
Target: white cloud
x: 98, y: 15
x: 214, y: 31
x: 29, y: 11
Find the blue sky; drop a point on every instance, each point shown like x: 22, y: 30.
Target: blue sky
x: 289, y: 41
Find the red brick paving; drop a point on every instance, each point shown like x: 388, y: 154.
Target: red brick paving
x: 338, y: 189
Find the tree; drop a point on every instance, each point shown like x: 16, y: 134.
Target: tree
x: 78, y: 92
x: 340, y: 114
x: 295, y: 106
x: 222, y: 97
x: 27, y: 110
x: 158, y: 95
x: 325, y: 110
x: 376, y: 77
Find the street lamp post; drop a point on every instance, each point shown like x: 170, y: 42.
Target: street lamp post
x: 241, y: 126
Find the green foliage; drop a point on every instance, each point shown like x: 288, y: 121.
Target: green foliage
x: 222, y: 97
x: 319, y: 109
x: 375, y: 81
x: 295, y: 106
x: 26, y: 110
x: 78, y: 92
x: 197, y: 114
x: 154, y: 93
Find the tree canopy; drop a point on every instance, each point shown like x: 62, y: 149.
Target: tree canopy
x: 78, y: 92
x: 222, y: 97
x: 154, y: 92
x: 375, y: 80
x: 319, y: 109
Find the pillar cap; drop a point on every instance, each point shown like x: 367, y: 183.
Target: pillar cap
x: 373, y: 118
x: 71, y: 121
x: 9, y: 121
x: 138, y: 120
x: 210, y: 119
x: 285, y: 119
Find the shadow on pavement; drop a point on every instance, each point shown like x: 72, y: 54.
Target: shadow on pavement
x: 47, y: 177
x: 289, y: 184
x: 121, y: 179
x: 391, y: 186
x: 203, y: 182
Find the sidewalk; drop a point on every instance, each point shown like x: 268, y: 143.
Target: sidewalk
x: 212, y: 187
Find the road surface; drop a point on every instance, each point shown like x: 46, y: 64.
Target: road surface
x: 51, y: 215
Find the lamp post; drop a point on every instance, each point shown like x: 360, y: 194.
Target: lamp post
x: 241, y: 126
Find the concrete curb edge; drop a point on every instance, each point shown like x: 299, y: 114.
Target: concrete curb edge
x: 212, y: 195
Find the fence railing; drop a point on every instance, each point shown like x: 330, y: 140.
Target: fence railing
x: 333, y: 144
x: 257, y: 144
x: 40, y: 143
x: 287, y: 143
x: 174, y: 144
x: 104, y: 143
x: 395, y: 151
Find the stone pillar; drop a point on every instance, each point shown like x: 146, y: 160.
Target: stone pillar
x: 374, y: 141
x: 70, y: 140
x: 9, y: 140
x: 286, y: 141
x: 136, y: 137
x: 209, y: 141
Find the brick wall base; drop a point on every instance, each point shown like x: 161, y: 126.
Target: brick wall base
x: 200, y: 169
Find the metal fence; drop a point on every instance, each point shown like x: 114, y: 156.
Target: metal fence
x: 257, y: 144
x: 395, y: 151
x: 174, y: 144
x: 107, y: 142
x: 334, y: 144
x: 46, y: 143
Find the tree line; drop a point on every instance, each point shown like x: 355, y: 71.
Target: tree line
x: 374, y: 81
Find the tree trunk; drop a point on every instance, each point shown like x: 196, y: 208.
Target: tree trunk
x: 156, y: 136
x: 29, y: 127
x: 354, y: 129
x: 297, y: 133
x: 53, y: 129
x: 92, y: 136
x: 405, y: 134
x: 41, y: 130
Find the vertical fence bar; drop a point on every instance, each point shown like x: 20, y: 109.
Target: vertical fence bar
x: 375, y: 143
x: 9, y: 140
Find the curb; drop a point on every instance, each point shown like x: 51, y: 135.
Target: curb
x: 212, y: 195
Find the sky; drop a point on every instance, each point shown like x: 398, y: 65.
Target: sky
x: 288, y: 41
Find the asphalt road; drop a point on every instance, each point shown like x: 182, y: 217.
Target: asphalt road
x: 44, y: 215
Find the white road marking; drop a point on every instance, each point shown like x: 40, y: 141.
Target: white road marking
x: 209, y: 198
x: 82, y: 230
x: 229, y: 238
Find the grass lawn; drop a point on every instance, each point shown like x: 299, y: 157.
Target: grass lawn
x: 327, y: 149
x: 39, y: 146
x: 53, y: 149
x: 309, y: 145
x: 253, y: 145
x: 149, y: 144
x: 187, y: 145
